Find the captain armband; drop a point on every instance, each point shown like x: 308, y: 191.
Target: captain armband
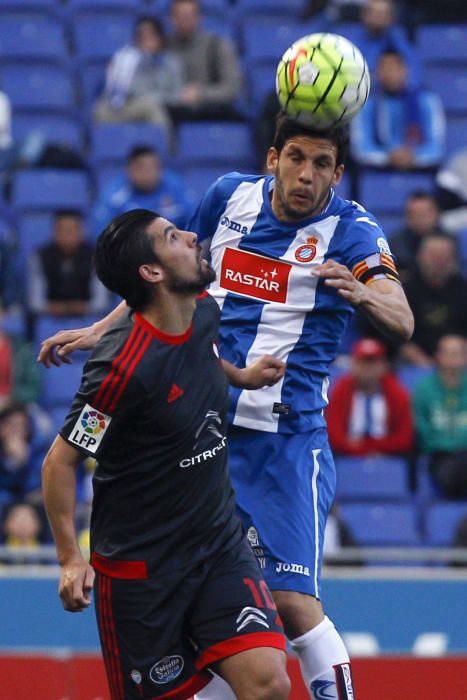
x: 378, y: 266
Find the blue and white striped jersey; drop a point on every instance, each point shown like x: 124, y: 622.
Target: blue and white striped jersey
x: 270, y: 301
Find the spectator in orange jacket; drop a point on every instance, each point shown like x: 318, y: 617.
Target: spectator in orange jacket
x: 369, y: 411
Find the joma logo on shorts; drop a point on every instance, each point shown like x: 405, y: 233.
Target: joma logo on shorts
x: 234, y: 225
x: 283, y: 568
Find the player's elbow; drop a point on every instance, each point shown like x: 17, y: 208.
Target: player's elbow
x: 407, y: 325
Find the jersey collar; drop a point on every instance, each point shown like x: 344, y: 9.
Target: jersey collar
x: 160, y: 335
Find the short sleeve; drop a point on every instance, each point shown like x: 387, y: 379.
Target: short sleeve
x: 100, y: 407
x: 366, y: 251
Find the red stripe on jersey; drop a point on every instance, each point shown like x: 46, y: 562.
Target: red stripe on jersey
x: 129, y: 372
x: 203, y: 295
x: 160, y: 335
x: 119, y: 568
x: 235, y: 645
x: 115, y: 365
x: 106, y: 635
x: 193, y: 685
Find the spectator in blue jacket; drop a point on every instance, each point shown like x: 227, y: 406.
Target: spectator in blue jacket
x: 146, y: 185
x: 400, y: 127
x: 379, y: 32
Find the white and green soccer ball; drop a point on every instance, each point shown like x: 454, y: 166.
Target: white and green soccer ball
x: 322, y: 80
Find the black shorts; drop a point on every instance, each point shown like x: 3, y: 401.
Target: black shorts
x: 160, y: 634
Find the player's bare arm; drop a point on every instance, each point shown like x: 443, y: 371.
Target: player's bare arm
x: 266, y: 371
x: 56, y: 349
x: 59, y: 489
x: 383, y: 300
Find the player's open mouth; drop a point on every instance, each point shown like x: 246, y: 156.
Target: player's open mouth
x: 302, y: 197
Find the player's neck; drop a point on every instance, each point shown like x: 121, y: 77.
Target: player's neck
x: 171, y: 315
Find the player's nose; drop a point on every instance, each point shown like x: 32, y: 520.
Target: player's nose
x: 191, y: 238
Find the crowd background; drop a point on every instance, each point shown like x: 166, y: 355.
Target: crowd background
x: 107, y: 105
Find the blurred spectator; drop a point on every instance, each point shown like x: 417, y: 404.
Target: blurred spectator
x: 436, y: 293
x: 22, y: 449
x: 211, y: 67
x: 10, y: 291
x: 19, y: 372
x: 147, y: 185
x: 422, y: 219
x: 440, y: 406
x: 61, y: 280
x: 379, y: 32
x: 451, y: 181
x: 142, y: 79
x: 7, y: 151
x: 22, y: 527
x: 369, y: 411
x: 400, y: 127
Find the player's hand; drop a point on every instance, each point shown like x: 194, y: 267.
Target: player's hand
x: 76, y: 581
x: 266, y: 371
x: 339, y: 276
x: 56, y: 349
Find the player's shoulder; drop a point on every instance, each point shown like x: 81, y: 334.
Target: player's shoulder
x: 226, y: 185
x: 112, y: 342
x: 354, y: 218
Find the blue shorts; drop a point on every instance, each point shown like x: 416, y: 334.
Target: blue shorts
x: 285, y: 486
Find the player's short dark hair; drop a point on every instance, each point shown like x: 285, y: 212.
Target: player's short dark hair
x: 141, y: 150
x: 122, y: 247
x: 65, y: 213
x: 287, y: 128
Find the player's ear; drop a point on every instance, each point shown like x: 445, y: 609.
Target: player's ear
x: 151, y: 273
x: 338, y: 172
x: 271, y: 160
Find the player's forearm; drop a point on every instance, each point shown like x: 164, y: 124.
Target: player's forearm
x: 389, y: 312
x: 59, y: 490
x: 234, y: 374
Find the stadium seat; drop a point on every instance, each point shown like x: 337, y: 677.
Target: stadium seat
x: 442, y: 520
x: 456, y: 134
x: 247, y: 9
x: 462, y: 241
x: 98, y: 35
x: 387, y: 192
x: 442, y: 43
x: 36, y: 37
x: 380, y: 525
x: 39, y: 87
x: 450, y: 83
x: 111, y: 143
x: 390, y: 222
x: 411, y: 375
x: 60, y: 385
x: 47, y: 189
x: 266, y: 41
x: 228, y: 144
x: 55, y: 128
x: 372, y: 478
x: 35, y: 230
x: 261, y: 81
x: 199, y: 178
x: 106, y: 5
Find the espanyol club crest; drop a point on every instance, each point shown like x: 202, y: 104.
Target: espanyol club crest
x: 306, y: 253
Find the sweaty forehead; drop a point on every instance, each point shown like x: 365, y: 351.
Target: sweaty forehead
x: 311, y: 145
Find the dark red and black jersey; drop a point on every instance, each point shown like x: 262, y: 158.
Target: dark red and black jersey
x: 152, y: 409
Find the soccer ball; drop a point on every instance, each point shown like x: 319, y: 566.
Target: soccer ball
x: 322, y: 80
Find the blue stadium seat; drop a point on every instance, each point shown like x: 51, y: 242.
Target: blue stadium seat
x: 261, y: 81
x: 38, y: 37
x: 442, y: 520
x: 456, y: 134
x: 442, y: 43
x: 220, y: 24
x: 50, y: 189
x: 265, y: 41
x: 450, y: 83
x: 292, y: 9
x: 91, y: 79
x: 228, y: 144
x: 390, y: 222
x: 60, y: 385
x: 98, y: 35
x: 111, y: 143
x: 199, y: 178
x: 380, y: 525
x: 343, y: 189
x: 35, y: 230
x: 410, y: 375
x: 462, y: 242
x: 372, y: 478
x: 56, y: 128
x: 106, y: 5
x: 387, y: 192
x: 39, y: 87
